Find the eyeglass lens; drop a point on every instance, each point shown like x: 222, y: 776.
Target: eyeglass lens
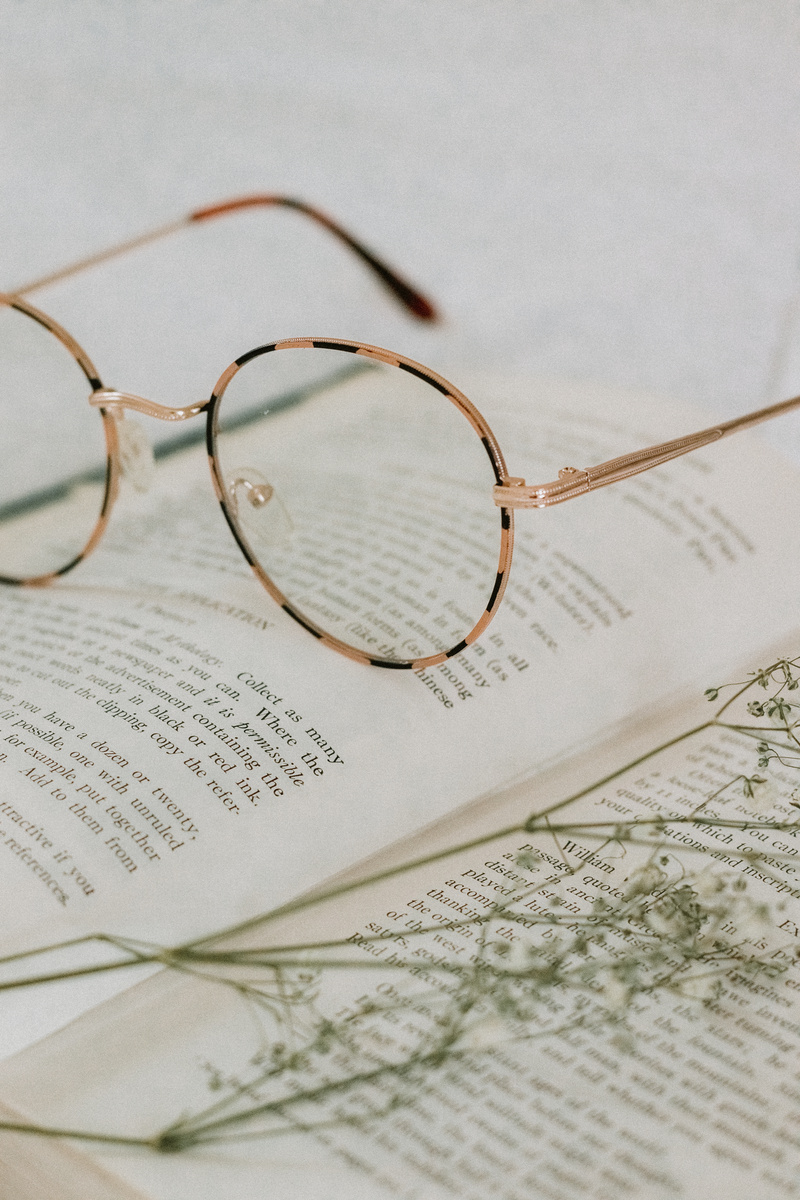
x: 364, y: 494
x: 53, y: 477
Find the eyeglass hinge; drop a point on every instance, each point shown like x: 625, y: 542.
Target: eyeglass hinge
x: 515, y: 493
x: 508, y: 494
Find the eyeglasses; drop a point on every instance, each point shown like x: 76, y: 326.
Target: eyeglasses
x: 368, y: 494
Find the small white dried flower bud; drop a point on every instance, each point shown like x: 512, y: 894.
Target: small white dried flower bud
x: 699, y: 987
x: 761, y: 794
x: 614, y: 994
x: 487, y: 1032
x: 755, y: 921
x: 708, y: 884
x: 644, y: 880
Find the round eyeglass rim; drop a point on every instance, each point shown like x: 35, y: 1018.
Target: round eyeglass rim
x: 113, y: 470
x: 451, y: 393
x: 211, y: 410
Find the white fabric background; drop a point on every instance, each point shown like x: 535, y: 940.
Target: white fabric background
x: 605, y: 189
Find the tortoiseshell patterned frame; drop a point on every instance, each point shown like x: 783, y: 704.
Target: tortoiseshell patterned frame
x: 465, y: 407
x: 113, y: 471
x: 509, y: 492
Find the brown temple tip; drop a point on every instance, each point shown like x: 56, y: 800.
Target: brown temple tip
x: 416, y: 303
x: 409, y: 297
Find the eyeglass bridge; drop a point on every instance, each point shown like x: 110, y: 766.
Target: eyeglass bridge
x: 136, y: 457
x: 117, y: 402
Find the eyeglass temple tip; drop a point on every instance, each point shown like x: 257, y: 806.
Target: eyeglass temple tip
x: 410, y: 297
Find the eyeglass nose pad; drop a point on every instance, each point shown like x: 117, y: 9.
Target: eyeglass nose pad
x: 259, y: 509
x: 135, y: 454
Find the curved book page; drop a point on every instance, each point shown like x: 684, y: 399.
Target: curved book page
x: 177, y: 755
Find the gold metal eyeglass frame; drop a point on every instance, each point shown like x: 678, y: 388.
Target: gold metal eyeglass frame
x: 509, y: 492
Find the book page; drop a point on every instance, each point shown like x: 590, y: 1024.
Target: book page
x: 429, y: 1083
x: 177, y: 754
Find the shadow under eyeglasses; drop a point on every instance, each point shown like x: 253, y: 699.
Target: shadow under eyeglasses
x: 60, y: 491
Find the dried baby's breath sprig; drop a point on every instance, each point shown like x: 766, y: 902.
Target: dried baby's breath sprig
x: 535, y: 967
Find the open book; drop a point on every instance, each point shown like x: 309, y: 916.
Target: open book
x: 178, y: 757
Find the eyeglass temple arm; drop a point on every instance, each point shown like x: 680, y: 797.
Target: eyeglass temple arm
x: 409, y: 296
x: 571, y: 482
